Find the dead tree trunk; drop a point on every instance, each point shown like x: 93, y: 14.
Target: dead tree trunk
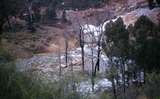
x: 30, y: 15
x: 60, y: 68
x: 97, y: 66
x: 92, y: 74
x: 81, y: 39
x: 72, y: 77
x: 92, y: 78
x: 66, y: 49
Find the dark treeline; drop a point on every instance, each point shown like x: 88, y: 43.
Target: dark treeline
x: 134, y: 54
x: 41, y: 11
x: 152, y: 4
x: 133, y: 51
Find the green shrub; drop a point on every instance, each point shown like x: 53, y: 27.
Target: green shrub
x: 17, y: 85
x: 105, y: 95
x: 152, y: 86
x: 4, y: 56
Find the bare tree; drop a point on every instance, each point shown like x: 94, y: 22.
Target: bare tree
x: 28, y: 5
x: 81, y: 42
x: 66, y: 49
x: 97, y: 66
x: 72, y: 75
x: 92, y: 57
x: 81, y: 36
x: 59, y: 59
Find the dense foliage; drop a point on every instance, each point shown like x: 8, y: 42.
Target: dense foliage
x: 133, y: 53
x: 147, y: 44
x: 133, y: 50
x: 17, y: 85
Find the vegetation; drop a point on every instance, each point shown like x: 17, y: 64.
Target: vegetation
x: 147, y: 44
x: 133, y: 54
x: 17, y: 85
x: 152, y: 4
x: 151, y: 87
x: 117, y: 47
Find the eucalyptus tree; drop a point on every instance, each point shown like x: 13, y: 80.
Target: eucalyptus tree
x: 147, y: 44
x: 117, y: 46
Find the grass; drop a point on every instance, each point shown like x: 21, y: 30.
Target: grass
x: 18, y: 85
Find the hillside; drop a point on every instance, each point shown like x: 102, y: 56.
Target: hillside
x: 86, y: 50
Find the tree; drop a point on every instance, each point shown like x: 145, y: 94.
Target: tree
x: 117, y: 47
x: 158, y: 2
x: 112, y: 74
x: 30, y: 15
x: 99, y: 44
x: 150, y: 4
x: 97, y: 67
x: 59, y: 59
x: 51, y: 9
x: 81, y: 41
x: 66, y: 49
x: 147, y: 45
x: 92, y: 57
x: 152, y: 86
x: 8, y: 8
x: 64, y: 19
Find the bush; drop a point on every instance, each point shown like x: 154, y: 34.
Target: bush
x: 105, y: 95
x: 152, y: 86
x: 4, y: 56
x: 17, y: 85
